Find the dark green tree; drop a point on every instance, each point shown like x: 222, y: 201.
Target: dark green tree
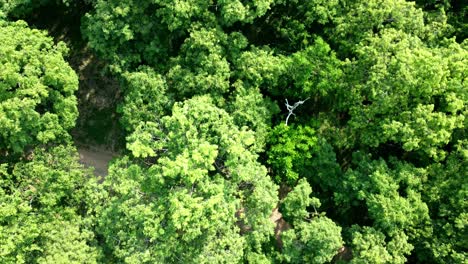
x: 292, y: 148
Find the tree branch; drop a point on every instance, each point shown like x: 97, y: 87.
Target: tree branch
x: 291, y: 108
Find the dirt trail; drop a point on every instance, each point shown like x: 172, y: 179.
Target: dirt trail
x: 97, y: 158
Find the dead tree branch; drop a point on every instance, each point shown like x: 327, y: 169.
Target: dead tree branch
x: 291, y: 108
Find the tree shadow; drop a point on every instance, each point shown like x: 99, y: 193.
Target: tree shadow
x: 99, y: 92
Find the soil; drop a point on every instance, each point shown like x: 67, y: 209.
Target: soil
x: 97, y: 158
x: 281, y: 226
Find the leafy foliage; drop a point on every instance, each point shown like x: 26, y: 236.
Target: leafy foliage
x: 360, y: 19
x: 146, y: 32
x: 393, y: 201
x: 380, y: 134
x: 314, y: 242
x: 445, y: 199
x: 44, y: 209
x: 203, y: 177
x: 370, y: 245
x: 292, y: 149
x: 423, y: 102
x: 294, y: 206
x: 24, y: 8
x: 37, y: 102
x: 315, y: 71
x: 201, y: 67
x: 146, y: 97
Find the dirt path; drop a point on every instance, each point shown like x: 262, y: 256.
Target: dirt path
x: 97, y: 158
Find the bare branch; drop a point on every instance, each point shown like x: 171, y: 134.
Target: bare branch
x: 291, y: 108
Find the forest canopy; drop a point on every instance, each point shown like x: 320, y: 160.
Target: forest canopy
x: 256, y: 131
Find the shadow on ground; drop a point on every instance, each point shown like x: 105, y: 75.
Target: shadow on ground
x: 97, y: 133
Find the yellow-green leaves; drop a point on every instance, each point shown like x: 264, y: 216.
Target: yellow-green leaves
x: 360, y: 19
x: 391, y: 195
x: 370, y: 246
x: 146, y: 98
x: 317, y: 241
x: 201, y: 68
x: 294, y: 206
x: 37, y: 104
x: 242, y: 11
x: 43, y: 206
x: 409, y: 93
x: 198, y: 175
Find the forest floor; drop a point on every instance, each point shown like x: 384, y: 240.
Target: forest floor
x: 98, y: 158
x: 97, y: 134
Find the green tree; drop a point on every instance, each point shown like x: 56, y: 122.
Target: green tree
x: 132, y: 33
x: 314, y: 237
x: 146, y: 98
x: 292, y: 25
x: 381, y: 134
x: 456, y: 14
x: 371, y: 246
x: 292, y: 148
x: 201, y: 67
x: 37, y: 102
x: 294, y: 206
x: 445, y: 194
x: 408, y: 93
x: 260, y: 67
x: 44, y: 211
x: 199, y: 195
x: 249, y: 108
x: 317, y: 241
x: 389, y: 196
x: 360, y: 19
x: 315, y: 72
x: 24, y: 8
